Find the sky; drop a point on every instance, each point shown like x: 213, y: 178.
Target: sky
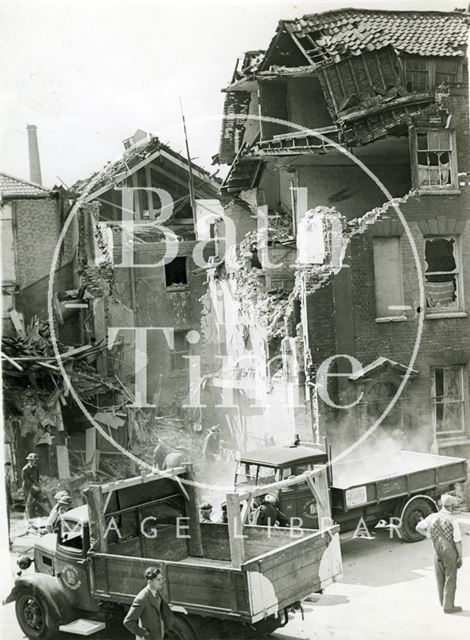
x: 88, y: 73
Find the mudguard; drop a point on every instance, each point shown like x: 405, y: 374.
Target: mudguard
x: 52, y: 591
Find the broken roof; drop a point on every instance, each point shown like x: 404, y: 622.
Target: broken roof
x: 11, y: 187
x: 131, y: 161
x: 328, y: 37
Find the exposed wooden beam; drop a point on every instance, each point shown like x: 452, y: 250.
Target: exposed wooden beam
x: 296, y: 41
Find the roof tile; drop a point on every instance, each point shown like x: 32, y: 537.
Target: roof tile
x: 11, y: 187
x: 429, y: 33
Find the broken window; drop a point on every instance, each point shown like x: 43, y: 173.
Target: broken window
x: 180, y: 350
x: 434, y: 157
x: 448, y: 400
x: 388, y: 278
x: 176, y: 274
x: 441, y: 275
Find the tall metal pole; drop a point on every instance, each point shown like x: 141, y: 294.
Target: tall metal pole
x: 190, y: 171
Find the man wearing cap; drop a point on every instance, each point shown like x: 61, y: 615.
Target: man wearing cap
x: 30, y: 475
x: 445, y: 534
x: 149, y: 615
x: 62, y: 505
x: 267, y: 514
x: 206, y: 511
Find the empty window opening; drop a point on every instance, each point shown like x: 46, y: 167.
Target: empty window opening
x: 176, y: 274
x: 442, y: 274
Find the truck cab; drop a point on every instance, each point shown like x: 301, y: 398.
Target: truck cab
x: 274, y: 464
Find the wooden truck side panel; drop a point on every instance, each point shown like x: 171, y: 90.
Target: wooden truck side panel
x: 283, y: 569
x: 279, y: 577
x: 218, y: 591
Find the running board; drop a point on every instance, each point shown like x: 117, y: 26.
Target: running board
x: 83, y: 627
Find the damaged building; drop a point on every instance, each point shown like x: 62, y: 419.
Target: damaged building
x: 359, y: 304
x: 162, y: 200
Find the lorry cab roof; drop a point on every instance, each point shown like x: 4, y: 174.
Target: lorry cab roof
x: 77, y: 514
x: 283, y: 456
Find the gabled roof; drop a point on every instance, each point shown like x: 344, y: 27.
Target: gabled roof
x: 328, y: 37
x: 11, y: 187
x: 131, y: 161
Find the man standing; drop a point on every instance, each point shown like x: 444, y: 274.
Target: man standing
x: 149, y: 615
x: 445, y: 534
x: 31, y: 490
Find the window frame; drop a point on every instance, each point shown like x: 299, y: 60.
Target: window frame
x: 434, y: 189
x: 448, y: 435
x: 446, y: 311
x: 431, y: 70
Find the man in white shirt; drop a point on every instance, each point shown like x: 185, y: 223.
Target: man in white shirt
x: 445, y: 534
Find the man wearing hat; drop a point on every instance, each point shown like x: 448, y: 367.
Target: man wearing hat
x: 445, y: 534
x: 149, y: 615
x: 206, y: 512
x: 62, y: 505
x: 31, y: 490
x: 267, y: 514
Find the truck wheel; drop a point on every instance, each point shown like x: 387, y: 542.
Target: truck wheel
x: 181, y: 630
x: 34, y: 616
x: 416, y: 510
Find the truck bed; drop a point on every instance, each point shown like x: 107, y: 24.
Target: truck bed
x: 384, y: 476
x: 278, y: 570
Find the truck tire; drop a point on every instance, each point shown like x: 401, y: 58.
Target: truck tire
x: 181, y: 630
x: 34, y: 615
x: 415, y: 510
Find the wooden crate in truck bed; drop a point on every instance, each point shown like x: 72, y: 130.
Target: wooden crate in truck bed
x: 279, y: 569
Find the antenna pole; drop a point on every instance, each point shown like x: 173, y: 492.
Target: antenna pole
x: 190, y: 171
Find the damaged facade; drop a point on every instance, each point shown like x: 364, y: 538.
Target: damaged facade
x: 165, y: 200
x: 392, y: 89
x: 38, y: 408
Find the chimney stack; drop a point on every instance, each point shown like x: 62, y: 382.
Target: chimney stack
x: 34, y: 164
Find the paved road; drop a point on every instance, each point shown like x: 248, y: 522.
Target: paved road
x: 387, y: 593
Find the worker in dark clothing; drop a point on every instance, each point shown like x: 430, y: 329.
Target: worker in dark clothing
x: 149, y: 615
x: 31, y: 489
x: 445, y: 534
x: 211, y: 444
x: 267, y: 514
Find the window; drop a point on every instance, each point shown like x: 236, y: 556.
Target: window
x: 446, y: 71
x: 176, y: 274
x: 434, y: 151
x: 425, y: 74
x: 416, y: 74
x: 388, y: 277
x: 181, y: 349
x: 448, y: 401
x: 71, y: 534
x: 441, y: 277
